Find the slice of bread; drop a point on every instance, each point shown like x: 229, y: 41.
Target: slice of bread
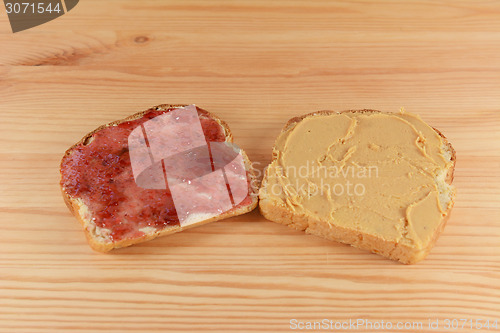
x: 100, y: 187
x: 398, y: 212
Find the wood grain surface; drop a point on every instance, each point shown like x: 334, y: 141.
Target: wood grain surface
x: 255, y: 64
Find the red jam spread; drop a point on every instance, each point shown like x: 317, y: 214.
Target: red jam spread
x: 99, y: 173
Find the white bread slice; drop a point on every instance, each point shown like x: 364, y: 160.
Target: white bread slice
x: 274, y: 206
x: 98, y: 237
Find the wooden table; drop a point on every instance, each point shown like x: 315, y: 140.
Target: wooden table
x: 256, y: 64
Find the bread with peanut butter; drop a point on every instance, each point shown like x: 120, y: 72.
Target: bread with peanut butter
x: 377, y: 181
x: 154, y: 173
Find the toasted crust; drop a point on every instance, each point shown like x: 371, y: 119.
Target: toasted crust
x: 389, y: 249
x: 76, y: 206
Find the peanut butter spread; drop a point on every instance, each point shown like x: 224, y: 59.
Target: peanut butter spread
x: 380, y: 173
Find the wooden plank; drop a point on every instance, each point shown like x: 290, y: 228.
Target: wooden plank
x: 255, y: 64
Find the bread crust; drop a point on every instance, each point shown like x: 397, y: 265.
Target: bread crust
x: 75, y: 205
x: 396, y: 251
